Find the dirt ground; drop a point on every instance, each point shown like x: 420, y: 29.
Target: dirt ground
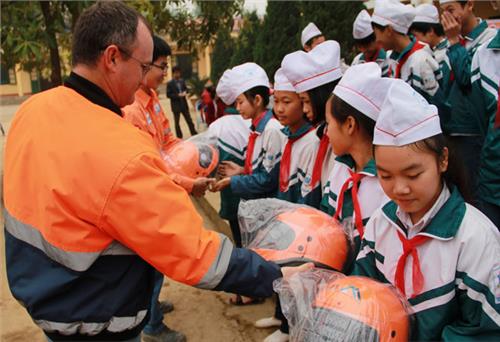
x: 201, y: 315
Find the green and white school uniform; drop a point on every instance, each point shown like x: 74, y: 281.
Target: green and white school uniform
x: 302, y: 150
x: 381, y: 58
x: 464, y: 116
x: 459, y: 262
x: 232, y: 138
x: 347, y: 190
x: 485, y: 90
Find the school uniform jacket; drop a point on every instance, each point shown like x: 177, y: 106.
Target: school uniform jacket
x: 485, y: 89
x: 263, y: 182
x: 314, y: 192
x: 301, y: 154
x: 370, y: 195
x: 232, y: 137
x: 460, y: 264
x: 382, y: 59
x: 465, y: 119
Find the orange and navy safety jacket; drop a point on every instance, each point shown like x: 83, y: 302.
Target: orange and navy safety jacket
x: 90, y: 211
x: 147, y: 114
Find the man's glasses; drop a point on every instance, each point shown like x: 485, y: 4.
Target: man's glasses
x: 163, y: 66
x: 146, y: 67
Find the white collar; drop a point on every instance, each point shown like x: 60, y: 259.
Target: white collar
x: 414, y: 229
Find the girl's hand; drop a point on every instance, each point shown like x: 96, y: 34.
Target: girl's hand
x: 229, y: 169
x: 221, y: 185
x: 290, y: 271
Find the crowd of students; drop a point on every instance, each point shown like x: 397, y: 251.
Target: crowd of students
x: 401, y: 148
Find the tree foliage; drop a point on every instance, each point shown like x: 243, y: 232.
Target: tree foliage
x: 37, y: 35
x: 334, y: 19
x: 279, y: 34
x: 223, y: 50
x: 245, y: 44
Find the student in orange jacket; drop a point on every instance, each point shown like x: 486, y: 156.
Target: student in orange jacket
x: 147, y: 114
x: 90, y: 211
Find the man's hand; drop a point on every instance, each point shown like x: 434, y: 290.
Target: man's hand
x: 451, y: 28
x: 290, y: 271
x: 182, y: 94
x: 201, y: 185
x: 221, y: 185
x: 229, y: 169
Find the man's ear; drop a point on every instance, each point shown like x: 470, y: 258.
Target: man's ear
x: 110, y: 56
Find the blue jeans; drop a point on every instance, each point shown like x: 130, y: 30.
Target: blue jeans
x: 155, y: 324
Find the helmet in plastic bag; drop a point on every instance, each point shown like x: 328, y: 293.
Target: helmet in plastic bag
x: 301, y: 235
x: 191, y: 159
x: 358, y: 309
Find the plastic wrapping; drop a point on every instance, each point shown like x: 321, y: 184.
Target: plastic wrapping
x: 291, y: 234
x: 323, y: 305
x: 195, y: 157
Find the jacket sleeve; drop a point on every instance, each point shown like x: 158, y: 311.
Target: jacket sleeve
x: 264, y: 179
x: 478, y: 283
x: 259, y: 183
x: 171, y: 91
x: 460, y: 62
x: 155, y: 219
x: 365, y: 261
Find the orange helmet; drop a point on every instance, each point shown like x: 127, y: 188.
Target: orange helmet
x: 191, y: 159
x: 357, y: 309
x: 301, y: 235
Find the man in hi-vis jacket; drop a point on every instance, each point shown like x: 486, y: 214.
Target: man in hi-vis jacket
x: 90, y: 211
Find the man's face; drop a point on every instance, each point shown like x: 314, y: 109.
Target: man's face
x: 176, y: 75
x: 154, y: 78
x: 384, y: 37
x: 459, y: 13
x: 131, y: 71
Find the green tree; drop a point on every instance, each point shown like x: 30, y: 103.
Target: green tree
x: 221, y: 55
x: 334, y: 19
x: 278, y: 36
x: 37, y: 34
x: 244, y: 50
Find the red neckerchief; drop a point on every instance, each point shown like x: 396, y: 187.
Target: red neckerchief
x: 285, y: 161
x: 320, y: 158
x: 417, y: 46
x: 374, y: 56
x: 251, y: 144
x: 410, y: 247
x: 355, y: 179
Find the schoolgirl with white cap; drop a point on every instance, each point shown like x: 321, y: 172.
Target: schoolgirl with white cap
x: 364, y: 38
x: 415, y: 63
x: 427, y: 29
x: 299, y: 145
x: 314, y: 74
x: 452, y: 278
x: 311, y: 36
x: 232, y: 132
x: 353, y: 192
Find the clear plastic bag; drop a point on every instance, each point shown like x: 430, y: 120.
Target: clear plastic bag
x: 195, y: 157
x: 291, y: 234
x: 323, y: 305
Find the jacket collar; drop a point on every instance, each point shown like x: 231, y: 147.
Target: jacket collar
x: 445, y: 218
x: 369, y: 169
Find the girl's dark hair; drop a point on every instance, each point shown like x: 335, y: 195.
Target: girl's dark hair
x: 365, y: 41
x: 378, y: 26
x: 318, y: 97
x: 341, y: 110
x: 427, y: 27
x: 263, y: 91
x: 160, y: 48
x: 455, y: 173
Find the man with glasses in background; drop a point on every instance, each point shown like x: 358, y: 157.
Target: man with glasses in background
x: 147, y: 114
